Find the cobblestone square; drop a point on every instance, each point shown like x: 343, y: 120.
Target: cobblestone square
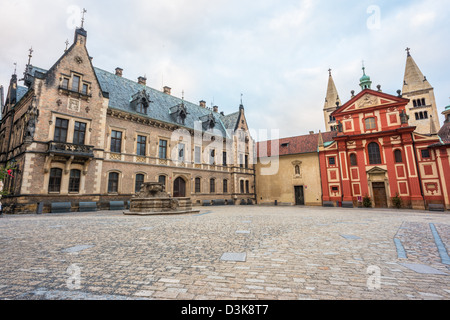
x: 285, y: 253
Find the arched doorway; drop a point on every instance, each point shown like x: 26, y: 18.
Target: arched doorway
x: 179, y: 188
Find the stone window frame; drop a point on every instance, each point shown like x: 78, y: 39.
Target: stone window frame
x: 119, y: 181
x: 71, y: 127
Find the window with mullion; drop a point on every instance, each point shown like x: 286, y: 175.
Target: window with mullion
x: 113, y: 182
x: 141, y: 145
x: 116, y: 141
x: 61, y: 127
x: 54, y: 184
x: 76, y: 83
x: 74, y: 181
x: 79, y: 133
x: 139, y: 182
x: 163, y: 149
x: 197, y: 185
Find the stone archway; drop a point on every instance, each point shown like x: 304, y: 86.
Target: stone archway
x: 179, y: 188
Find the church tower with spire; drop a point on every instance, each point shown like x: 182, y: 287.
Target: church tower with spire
x: 332, y: 102
x: 422, y: 109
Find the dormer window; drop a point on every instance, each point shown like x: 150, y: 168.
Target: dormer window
x: 179, y: 113
x: 74, y: 84
x: 140, y: 102
x: 208, y: 121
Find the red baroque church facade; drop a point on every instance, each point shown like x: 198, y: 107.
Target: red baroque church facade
x: 378, y: 154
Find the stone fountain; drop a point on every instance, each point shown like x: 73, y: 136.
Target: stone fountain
x: 154, y: 200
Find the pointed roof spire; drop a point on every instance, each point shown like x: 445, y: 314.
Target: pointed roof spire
x: 414, y: 79
x: 365, y: 81
x: 332, y: 94
x: 320, y: 143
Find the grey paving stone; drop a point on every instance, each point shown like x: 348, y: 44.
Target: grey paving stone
x: 423, y: 269
x: 350, y: 237
x: 233, y: 256
x: 77, y: 248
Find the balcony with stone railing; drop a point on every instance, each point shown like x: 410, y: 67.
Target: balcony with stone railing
x: 70, y: 149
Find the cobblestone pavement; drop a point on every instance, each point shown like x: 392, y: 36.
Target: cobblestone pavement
x: 283, y: 253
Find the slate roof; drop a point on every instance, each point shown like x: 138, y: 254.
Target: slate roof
x: 294, y: 145
x: 121, y: 90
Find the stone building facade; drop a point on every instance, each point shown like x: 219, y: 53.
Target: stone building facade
x: 288, y: 170
x: 77, y: 133
x: 378, y: 153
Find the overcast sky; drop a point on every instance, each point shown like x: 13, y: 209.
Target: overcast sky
x: 276, y: 53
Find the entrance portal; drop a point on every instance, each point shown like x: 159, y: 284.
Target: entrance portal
x: 379, y: 194
x: 179, y: 188
x: 299, y: 196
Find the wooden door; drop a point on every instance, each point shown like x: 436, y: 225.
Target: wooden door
x: 299, y: 196
x: 379, y: 194
x: 179, y: 188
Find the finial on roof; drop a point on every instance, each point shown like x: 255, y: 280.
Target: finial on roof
x: 82, y: 17
x: 408, y: 51
x: 30, y: 55
x: 15, y: 67
x: 329, y: 71
x: 67, y: 45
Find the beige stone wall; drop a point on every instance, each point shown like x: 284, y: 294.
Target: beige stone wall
x: 280, y: 186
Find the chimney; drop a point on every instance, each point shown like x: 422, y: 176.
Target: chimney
x: 142, y: 80
x: 203, y: 104
x: 167, y: 90
x: 311, y: 132
x: 119, y: 72
x: 216, y: 109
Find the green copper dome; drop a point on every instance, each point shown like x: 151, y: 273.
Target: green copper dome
x: 365, y: 81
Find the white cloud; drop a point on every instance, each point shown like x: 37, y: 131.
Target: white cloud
x: 276, y: 53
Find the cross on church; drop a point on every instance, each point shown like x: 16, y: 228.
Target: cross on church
x: 329, y: 70
x: 408, y: 50
x: 30, y: 55
x: 82, y: 17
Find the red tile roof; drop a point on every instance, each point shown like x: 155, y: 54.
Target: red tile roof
x: 294, y: 145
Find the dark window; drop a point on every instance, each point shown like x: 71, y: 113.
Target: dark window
x: 335, y: 188
x: 246, y: 161
x: 76, y: 83
x: 61, y: 130
x: 242, y: 186
x: 163, y: 149
x: 141, y: 145
x: 374, y: 153
x: 224, y: 159
x: 85, y: 89
x: 142, y: 106
x: 74, y: 181
x: 113, y: 182
x: 425, y: 153
x: 353, y: 160
x: 139, y: 182
x: 212, y: 155
x: 54, y: 184
x: 423, y: 102
x: 79, y: 133
x: 247, y: 186
x: 197, y: 155
x: 212, y: 186
x: 162, y: 179
x: 65, y: 83
x: 181, y: 150
x: 398, y: 156
x: 116, y: 141
x: 331, y: 161
x: 198, y: 185
x: 225, y: 186
x: 370, y: 124
x: 241, y: 160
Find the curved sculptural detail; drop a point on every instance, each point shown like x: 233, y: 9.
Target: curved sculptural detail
x: 153, y: 199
